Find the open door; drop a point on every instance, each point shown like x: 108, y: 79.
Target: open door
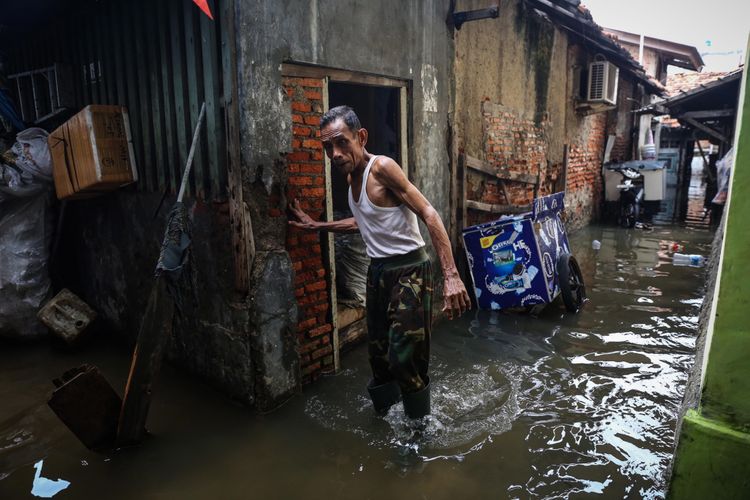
x: 330, y: 270
x: 379, y: 111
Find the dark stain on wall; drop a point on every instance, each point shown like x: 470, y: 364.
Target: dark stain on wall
x: 539, y: 37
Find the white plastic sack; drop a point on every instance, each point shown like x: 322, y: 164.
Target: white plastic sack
x: 26, y: 225
x: 351, y: 268
x: 723, y: 172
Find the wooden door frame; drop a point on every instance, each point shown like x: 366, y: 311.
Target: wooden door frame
x: 334, y: 75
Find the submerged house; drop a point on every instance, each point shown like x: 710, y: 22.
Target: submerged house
x: 532, y: 89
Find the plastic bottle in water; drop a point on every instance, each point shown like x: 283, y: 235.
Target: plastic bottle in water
x: 682, y: 259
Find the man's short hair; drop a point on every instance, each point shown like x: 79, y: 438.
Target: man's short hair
x: 343, y: 112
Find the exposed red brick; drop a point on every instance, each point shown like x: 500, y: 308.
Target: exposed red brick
x: 300, y: 181
x: 298, y: 156
x: 310, y: 82
x: 312, y: 144
x: 303, y: 131
x: 306, y: 182
x: 312, y: 120
x: 302, y: 107
x: 320, y: 330
x: 319, y: 353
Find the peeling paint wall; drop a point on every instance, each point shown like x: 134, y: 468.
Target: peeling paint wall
x: 110, y: 248
x: 524, y: 68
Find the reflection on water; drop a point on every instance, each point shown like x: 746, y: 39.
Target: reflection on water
x: 551, y: 406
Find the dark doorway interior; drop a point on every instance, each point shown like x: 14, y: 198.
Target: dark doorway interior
x: 378, y: 111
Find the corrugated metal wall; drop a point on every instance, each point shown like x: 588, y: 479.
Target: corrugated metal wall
x: 161, y: 59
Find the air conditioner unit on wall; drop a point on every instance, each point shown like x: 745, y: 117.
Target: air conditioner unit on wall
x: 603, y: 76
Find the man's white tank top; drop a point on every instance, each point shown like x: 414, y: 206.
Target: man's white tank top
x: 387, y: 231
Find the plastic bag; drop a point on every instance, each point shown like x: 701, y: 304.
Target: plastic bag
x: 26, y: 225
x: 723, y: 172
x: 351, y: 267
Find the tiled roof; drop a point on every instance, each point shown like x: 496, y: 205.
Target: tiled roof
x: 682, y: 82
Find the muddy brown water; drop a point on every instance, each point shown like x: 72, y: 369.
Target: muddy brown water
x: 555, y: 406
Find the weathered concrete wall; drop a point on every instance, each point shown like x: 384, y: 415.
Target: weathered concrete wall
x: 405, y: 40
x: 522, y: 68
x: 621, y: 123
x: 109, y: 251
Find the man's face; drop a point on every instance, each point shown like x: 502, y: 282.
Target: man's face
x: 344, y: 147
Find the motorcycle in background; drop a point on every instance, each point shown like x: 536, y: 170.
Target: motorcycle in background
x: 631, y: 196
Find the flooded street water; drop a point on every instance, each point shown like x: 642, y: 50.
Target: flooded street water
x: 559, y: 405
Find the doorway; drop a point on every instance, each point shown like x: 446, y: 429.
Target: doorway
x: 379, y: 110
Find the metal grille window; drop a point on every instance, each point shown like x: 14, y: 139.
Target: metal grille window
x: 159, y: 59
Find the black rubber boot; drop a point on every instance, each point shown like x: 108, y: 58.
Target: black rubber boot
x: 417, y: 404
x: 384, y: 396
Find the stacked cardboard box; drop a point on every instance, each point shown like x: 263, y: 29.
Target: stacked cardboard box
x: 92, y: 152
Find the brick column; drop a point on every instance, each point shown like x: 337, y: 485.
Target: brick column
x: 306, y: 182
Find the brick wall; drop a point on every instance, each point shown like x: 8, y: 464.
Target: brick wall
x: 584, y: 178
x: 521, y: 145
x: 306, y: 182
x: 511, y: 142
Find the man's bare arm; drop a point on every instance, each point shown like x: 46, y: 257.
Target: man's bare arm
x: 388, y: 173
x: 306, y: 222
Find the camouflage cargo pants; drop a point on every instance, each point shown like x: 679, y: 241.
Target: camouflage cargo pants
x: 399, y: 318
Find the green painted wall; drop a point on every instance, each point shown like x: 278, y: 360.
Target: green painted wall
x: 713, y: 455
x: 726, y: 393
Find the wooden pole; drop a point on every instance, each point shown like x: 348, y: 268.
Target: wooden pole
x: 156, y: 328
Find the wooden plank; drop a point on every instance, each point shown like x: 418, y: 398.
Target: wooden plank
x: 155, y: 330
x: 331, y: 264
x: 243, y: 243
x: 403, y: 101
x: 504, y: 174
x: 460, y: 257
x: 337, y: 75
x: 170, y: 134
x: 177, y: 45
x: 142, y: 63
x: 212, y: 93
x: 195, y: 92
x: 353, y: 334
x: 505, y: 192
x: 88, y: 406
x: 157, y: 109
x: 566, y: 160
x: 704, y: 128
x: 497, y: 209
x: 453, y: 230
x: 714, y: 113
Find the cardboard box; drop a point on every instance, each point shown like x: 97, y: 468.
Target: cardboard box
x: 92, y: 153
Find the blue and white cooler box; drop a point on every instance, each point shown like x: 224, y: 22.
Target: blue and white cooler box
x: 513, y: 259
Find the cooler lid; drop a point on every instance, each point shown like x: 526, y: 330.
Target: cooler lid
x: 638, y: 165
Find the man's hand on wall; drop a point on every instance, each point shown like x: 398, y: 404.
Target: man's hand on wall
x: 303, y: 221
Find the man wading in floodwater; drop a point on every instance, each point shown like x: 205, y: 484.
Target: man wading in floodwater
x: 399, y: 281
